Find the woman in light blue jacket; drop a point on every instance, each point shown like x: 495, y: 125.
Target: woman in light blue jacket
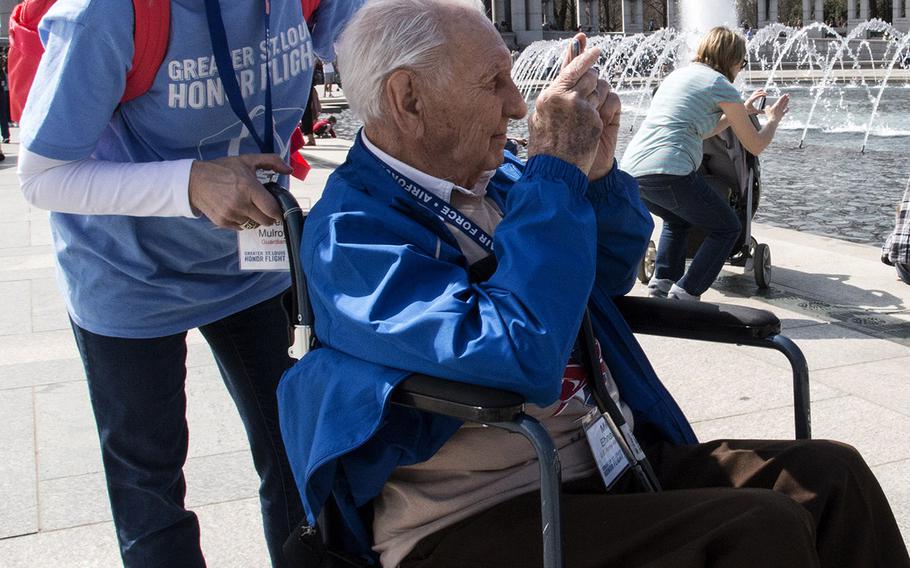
x: 694, y: 103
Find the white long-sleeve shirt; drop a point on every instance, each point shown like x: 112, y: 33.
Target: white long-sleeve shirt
x: 96, y: 187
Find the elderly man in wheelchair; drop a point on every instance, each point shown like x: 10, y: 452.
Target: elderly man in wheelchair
x: 427, y: 254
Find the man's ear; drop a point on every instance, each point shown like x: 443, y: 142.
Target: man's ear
x: 403, y: 97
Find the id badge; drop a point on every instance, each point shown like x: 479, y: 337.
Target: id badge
x: 611, y: 462
x: 263, y: 248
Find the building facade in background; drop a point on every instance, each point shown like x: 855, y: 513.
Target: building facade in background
x: 526, y: 21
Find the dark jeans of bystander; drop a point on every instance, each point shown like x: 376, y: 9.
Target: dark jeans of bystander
x: 137, y: 393
x: 684, y: 202
x: 4, y: 115
x: 903, y: 272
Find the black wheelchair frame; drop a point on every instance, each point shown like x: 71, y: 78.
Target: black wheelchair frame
x: 700, y: 321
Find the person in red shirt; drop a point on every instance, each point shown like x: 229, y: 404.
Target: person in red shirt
x: 325, y: 127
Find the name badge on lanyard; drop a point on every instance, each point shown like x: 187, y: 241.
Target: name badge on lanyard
x: 611, y: 462
x: 262, y: 248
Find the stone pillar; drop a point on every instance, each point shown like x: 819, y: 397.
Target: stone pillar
x: 900, y: 15
x: 673, y: 14
x: 820, y: 11
x: 854, y: 13
x: 587, y: 15
x: 546, y: 7
x: 527, y: 20
x: 631, y: 16
x: 762, y: 14
x: 773, y: 12
x: 864, y: 10
x: 807, y: 12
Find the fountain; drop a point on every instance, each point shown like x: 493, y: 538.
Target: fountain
x: 778, y: 56
x: 839, y: 161
x: 840, y: 158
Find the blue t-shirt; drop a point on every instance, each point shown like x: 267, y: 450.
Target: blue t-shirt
x: 153, y: 276
x: 684, y: 110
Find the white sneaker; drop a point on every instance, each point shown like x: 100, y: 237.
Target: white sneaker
x: 658, y: 287
x: 678, y: 293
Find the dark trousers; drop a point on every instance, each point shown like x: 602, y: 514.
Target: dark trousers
x: 137, y: 393
x: 729, y: 504
x: 684, y: 202
x: 903, y: 272
x: 4, y: 114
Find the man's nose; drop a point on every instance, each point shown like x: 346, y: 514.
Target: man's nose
x: 515, y: 106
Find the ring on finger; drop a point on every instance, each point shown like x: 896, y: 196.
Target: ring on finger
x: 249, y: 224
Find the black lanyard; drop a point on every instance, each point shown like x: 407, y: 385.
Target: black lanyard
x: 438, y: 206
x: 222, y: 52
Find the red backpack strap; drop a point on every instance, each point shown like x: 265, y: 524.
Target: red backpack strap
x: 309, y: 6
x: 151, y: 35
x: 25, y: 51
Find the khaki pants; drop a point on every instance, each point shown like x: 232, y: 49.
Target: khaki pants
x: 736, y: 504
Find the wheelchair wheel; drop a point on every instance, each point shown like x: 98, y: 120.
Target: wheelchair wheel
x: 761, y: 266
x: 646, y: 266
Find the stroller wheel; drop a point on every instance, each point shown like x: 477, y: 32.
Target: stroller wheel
x: 646, y: 266
x: 761, y: 266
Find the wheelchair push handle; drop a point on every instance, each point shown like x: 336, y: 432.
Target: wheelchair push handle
x: 293, y: 221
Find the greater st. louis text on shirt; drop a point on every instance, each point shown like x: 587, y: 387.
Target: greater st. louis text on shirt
x: 195, y: 84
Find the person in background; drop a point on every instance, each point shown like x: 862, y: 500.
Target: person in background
x: 325, y: 127
x: 693, y: 103
x: 4, y: 96
x: 4, y: 101
x: 147, y: 199
x: 513, y: 144
x: 896, y: 250
x: 310, y: 115
x: 328, y: 74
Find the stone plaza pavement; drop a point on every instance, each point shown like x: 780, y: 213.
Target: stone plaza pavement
x: 844, y: 308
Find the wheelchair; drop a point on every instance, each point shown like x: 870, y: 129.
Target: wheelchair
x: 308, y: 547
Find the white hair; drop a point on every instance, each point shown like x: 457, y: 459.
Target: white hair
x: 386, y: 35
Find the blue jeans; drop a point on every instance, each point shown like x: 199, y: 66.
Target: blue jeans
x: 903, y: 272
x: 684, y: 202
x: 137, y: 393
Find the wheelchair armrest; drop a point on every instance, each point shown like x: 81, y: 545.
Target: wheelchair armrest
x: 470, y: 403
x: 704, y: 321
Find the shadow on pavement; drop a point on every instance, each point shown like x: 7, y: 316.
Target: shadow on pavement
x: 827, y: 297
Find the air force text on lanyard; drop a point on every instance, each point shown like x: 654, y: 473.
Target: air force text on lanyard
x: 262, y: 248
x: 443, y: 210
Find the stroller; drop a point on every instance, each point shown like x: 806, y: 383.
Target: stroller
x: 735, y: 175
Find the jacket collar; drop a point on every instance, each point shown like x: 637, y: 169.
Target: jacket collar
x: 373, y: 179
x: 439, y: 187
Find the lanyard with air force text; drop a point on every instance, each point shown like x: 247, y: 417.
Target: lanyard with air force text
x: 222, y: 52
x: 439, y: 206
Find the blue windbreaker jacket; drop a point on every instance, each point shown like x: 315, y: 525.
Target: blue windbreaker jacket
x: 391, y: 296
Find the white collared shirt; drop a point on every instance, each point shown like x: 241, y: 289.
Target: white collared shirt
x: 470, y: 202
x: 439, y: 187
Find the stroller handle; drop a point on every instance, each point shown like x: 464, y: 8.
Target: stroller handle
x: 293, y: 221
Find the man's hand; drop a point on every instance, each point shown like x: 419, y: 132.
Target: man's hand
x: 566, y: 123
x: 610, y: 112
x: 227, y: 192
